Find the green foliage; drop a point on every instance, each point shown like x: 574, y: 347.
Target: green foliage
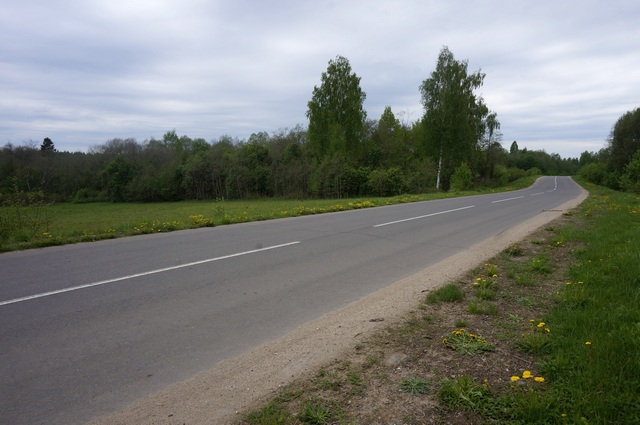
x: 415, y: 386
x: 630, y: 179
x: 463, y: 392
x: 340, y: 154
x: 316, y: 414
x: 462, y: 179
x: 624, y: 140
x: 467, y: 343
x: 514, y: 250
x: 455, y: 117
x: 25, y: 217
x: 594, y: 172
x: 484, y: 308
x: 335, y: 111
x: 273, y: 413
x: 386, y: 182
x: 448, y: 293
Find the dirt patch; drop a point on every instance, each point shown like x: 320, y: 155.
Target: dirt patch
x: 340, y: 340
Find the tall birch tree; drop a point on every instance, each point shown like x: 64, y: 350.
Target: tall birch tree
x: 453, y: 113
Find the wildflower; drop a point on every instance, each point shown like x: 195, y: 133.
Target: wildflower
x: 495, y: 275
x: 526, y: 374
x: 568, y: 283
x: 515, y: 378
x: 541, y: 324
x: 588, y: 343
x: 538, y: 379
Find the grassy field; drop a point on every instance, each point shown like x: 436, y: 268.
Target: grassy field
x: 547, y: 332
x: 36, y: 224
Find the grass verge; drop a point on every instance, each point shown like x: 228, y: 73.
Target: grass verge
x: 559, y: 315
x: 28, y: 222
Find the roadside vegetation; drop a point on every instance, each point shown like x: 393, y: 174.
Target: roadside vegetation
x: 547, y: 332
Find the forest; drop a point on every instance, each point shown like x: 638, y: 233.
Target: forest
x: 455, y: 145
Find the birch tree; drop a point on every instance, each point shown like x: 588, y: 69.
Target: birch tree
x: 453, y: 113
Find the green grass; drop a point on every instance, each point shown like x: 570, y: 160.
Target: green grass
x: 414, y: 386
x: 594, y: 361
x: 448, y: 293
x: 467, y: 343
x: 25, y: 226
x: 57, y: 224
x: 590, y: 358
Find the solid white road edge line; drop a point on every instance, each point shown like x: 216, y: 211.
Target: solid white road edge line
x: 423, y: 216
x: 118, y: 279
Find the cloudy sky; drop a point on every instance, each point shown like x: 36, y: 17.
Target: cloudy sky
x: 558, y: 73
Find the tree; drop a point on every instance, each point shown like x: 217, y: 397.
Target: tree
x: 335, y: 112
x: 117, y: 176
x: 388, y: 139
x: 624, y: 140
x: 47, y: 145
x: 454, y: 117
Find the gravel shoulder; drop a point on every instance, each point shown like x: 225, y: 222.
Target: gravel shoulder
x: 235, y: 385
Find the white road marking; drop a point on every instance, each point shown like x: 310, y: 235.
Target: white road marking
x: 508, y: 199
x: 423, y: 216
x: 539, y: 193
x: 166, y: 269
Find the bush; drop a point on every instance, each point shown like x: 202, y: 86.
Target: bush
x: 516, y: 173
x: 462, y: 178
x: 630, y: 180
x: 594, y: 172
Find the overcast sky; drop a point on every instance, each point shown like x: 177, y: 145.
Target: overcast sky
x: 558, y: 73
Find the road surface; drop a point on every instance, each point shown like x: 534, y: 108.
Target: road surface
x: 87, y: 328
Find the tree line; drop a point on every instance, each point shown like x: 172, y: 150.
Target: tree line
x: 617, y: 165
x: 455, y: 145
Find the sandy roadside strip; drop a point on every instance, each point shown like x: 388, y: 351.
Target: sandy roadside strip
x: 234, y: 385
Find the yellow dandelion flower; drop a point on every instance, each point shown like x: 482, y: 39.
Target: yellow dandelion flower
x: 538, y: 379
x: 515, y: 378
x: 526, y: 374
x: 588, y: 343
x: 541, y: 324
x: 495, y: 275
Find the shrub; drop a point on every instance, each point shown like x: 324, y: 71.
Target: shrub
x: 462, y: 178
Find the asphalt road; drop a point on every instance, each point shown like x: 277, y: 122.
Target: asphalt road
x: 87, y: 328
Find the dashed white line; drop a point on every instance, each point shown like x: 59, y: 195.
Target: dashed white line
x: 166, y: 269
x: 423, y: 216
x: 508, y: 199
